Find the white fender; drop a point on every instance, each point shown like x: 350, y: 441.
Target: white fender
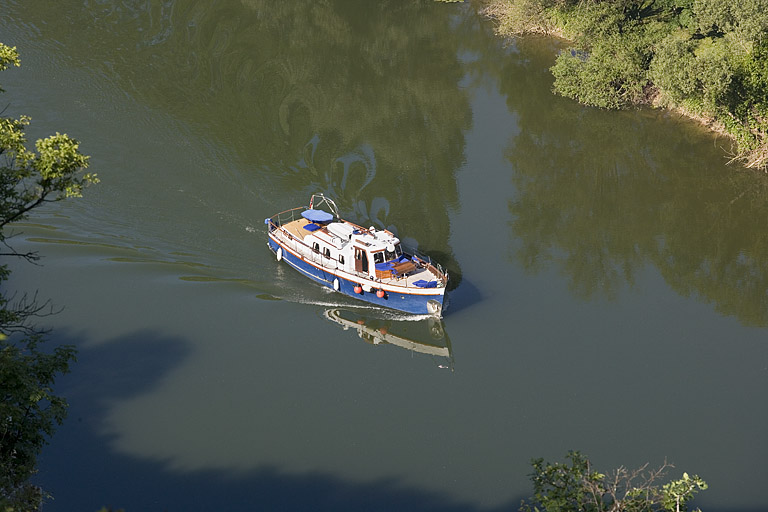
x: 367, y: 288
x: 336, y: 284
x: 279, y: 253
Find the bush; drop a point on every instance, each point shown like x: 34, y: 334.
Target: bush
x: 577, y: 487
x: 708, y: 55
x: 611, y: 75
x: 672, y: 68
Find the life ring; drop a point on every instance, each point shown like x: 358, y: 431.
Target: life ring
x: 279, y: 253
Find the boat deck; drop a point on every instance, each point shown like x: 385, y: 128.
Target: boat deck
x: 409, y: 279
x: 296, y: 228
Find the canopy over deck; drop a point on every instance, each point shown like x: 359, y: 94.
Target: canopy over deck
x: 317, y: 215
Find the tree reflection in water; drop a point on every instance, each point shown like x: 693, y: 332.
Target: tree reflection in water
x: 597, y: 203
x: 361, y: 102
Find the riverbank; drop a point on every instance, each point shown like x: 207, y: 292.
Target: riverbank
x: 707, y: 61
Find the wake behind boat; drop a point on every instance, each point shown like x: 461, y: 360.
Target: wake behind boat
x: 367, y: 264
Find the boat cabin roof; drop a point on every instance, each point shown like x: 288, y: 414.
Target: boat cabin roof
x: 341, y: 233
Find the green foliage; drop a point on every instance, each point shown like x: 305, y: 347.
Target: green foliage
x: 611, y: 75
x: 577, y: 487
x: 751, y: 88
x: 8, y: 57
x: 29, y: 410
x: 746, y: 19
x: 673, y: 68
x: 609, y: 66
x: 687, y: 69
x: 29, y: 179
x: 714, y: 68
x: 523, y: 16
x: 677, y: 493
x: 561, y: 487
x: 708, y: 55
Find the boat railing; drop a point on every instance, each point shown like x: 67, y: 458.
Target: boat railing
x: 318, y: 200
x: 433, y: 266
x: 285, y: 217
x: 301, y: 248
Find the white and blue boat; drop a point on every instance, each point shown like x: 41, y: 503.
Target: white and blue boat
x: 364, y: 263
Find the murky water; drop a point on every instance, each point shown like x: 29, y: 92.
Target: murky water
x: 609, y: 270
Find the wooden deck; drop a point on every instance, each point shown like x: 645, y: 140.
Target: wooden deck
x: 296, y: 228
x: 409, y: 279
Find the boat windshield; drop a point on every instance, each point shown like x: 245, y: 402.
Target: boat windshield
x: 391, y: 255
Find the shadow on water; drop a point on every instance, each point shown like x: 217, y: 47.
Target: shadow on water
x: 82, y: 471
x: 463, y: 297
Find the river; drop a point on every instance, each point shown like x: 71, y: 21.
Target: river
x: 609, y: 271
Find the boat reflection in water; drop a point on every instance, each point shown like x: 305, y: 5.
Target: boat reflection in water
x: 426, y: 336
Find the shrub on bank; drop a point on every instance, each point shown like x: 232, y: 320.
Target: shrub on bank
x: 708, y: 58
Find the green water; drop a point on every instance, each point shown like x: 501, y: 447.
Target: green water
x: 609, y: 271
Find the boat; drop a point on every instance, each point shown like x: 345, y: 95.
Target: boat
x: 365, y: 263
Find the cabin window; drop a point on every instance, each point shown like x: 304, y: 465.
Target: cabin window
x: 378, y: 257
x: 391, y: 255
x: 316, y: 247
x: 341, y: 259
x: 327, y: 252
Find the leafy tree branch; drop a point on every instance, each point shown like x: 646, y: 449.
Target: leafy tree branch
x: 578, y: 487
x: 29, y: 409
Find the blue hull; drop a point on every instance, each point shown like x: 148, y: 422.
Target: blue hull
x: 409, y: 303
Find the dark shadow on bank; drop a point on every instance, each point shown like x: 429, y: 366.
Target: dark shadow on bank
x: 82, y: 472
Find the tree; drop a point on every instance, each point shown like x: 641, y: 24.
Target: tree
x: 577, y: 487
x: 704, y: 56
x: 28, y: 180
x: 29, y: 410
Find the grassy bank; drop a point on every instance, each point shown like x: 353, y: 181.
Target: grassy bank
x: 705, y: 58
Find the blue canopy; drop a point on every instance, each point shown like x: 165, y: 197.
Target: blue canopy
x: 317, y: 216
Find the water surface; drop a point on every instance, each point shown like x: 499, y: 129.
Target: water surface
x: 609, y: 281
